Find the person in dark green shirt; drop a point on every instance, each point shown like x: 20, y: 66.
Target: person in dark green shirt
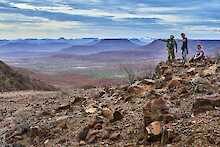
x: 171, y: 47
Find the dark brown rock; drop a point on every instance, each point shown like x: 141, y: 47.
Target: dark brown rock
x: 82, y: 134
x: 156, y: 110
x: 206, y: 103
x: 117, y: 116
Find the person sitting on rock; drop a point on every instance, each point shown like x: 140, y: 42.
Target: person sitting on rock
x: 200, y: 54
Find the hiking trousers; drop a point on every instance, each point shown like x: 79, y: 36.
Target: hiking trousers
x: 171, y: 54
x: 184, y: 55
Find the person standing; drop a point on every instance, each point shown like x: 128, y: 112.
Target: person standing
x: 171, y: 47
x: 184, y: 47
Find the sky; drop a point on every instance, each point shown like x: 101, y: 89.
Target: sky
x: 109, y: 18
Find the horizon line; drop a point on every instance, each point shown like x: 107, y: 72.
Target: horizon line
x: 63, y: 38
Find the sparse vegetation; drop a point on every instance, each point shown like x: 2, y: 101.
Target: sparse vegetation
x: 130, y: 73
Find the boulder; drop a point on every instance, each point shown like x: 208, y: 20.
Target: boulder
x: 205, y: 103
x: 155, y: 131
x: 139, y: 90
x: 174, y: 83
x: 157, y: 110
x: 107, y: 113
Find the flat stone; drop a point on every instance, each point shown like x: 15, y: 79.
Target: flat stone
x: 115, y: 136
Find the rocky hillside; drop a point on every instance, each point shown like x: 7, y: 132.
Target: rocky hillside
x: 11, y: 80
x: 179, y: 106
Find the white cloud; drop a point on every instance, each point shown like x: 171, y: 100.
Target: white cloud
x: 202, y: 28
x: 116, y: 15
x: 35, y: 23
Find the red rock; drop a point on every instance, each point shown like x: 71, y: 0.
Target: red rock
x: 174, y: 83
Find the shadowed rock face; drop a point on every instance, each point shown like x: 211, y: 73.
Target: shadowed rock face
x: 11, y: 80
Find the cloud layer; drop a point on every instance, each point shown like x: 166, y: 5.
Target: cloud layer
x: 108, y: 18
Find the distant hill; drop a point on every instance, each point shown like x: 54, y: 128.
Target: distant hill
x: 11, y: 80
x: 102, y: 46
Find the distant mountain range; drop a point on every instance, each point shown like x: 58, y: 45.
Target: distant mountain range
x: 39, y: 47
x: 93, y: 48
x: 123, y: 49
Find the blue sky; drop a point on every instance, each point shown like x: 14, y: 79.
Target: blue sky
x: 109, y: 18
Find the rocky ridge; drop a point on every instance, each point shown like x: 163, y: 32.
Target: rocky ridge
x: 179, y: 106
x: 12, y: 80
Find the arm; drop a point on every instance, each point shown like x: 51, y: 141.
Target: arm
x: 175, y: 45
x: 164, y: 40
x: 199, y: 55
